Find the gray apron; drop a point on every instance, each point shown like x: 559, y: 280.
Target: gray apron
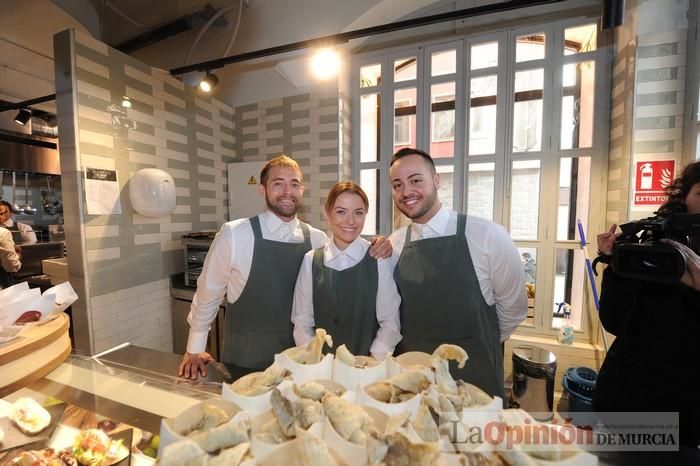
x: 345, y: 302
x: 257, y: 325
x: 441, y: 302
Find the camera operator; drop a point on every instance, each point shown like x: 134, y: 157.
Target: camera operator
x: 648, y: 367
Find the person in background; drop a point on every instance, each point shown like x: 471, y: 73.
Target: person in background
x: 460, y: 277
x: 254, y: 262
x: 9, y: 258
x: 26, y: 232
x: 344, y: 290
x: 530, y: 267
x: 655, y: 327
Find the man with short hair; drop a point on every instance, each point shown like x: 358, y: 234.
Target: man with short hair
x: 460, y: 277
x: 24, y: 232
x: 254, y: 262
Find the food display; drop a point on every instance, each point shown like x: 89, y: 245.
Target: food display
x: 30, y: 416
x: 260, y: 382
x: 93, y: 447
x: 346, y: 357
x: 28, y: 317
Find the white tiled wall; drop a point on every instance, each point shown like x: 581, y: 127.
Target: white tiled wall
x: 138, y: 315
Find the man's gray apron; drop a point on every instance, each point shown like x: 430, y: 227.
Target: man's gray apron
x: 441, y: 302
x: 258, y: 325
x: 345, y: 302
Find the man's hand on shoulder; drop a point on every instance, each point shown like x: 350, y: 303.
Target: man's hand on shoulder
x: 381, y: 248
x: 194, y: 364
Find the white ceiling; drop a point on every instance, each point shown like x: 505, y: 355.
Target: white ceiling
x: 27, y: 29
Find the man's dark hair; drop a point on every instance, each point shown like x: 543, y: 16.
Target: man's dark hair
x: 411, y: 151
x: 6, y: 204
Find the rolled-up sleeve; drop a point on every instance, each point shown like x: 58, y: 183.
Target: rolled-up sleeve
x: 211, y: 290
x: 508, y: 282
x: 303, y: 306
x: 388, y: 303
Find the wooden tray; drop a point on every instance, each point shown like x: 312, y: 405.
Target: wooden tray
x: 38, y: 350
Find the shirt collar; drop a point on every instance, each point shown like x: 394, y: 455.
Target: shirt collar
x: 437, y: 224
x: 9, y: 223
x: 273, y: 223
x: 355, y: 250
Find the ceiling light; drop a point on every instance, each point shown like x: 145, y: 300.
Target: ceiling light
x: 325, y: 64
x: 208, y: 83
x: 126, y: 102
x: 23, y: 117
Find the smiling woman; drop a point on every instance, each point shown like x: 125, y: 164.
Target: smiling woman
x: 326, y: 293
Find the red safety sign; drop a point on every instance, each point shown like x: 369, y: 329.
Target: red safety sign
x: 652, y: 179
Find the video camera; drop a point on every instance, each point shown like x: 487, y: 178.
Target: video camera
x: 639, y: 254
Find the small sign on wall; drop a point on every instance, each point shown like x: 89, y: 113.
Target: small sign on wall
x: 102, y: 191
x: 652, y: 178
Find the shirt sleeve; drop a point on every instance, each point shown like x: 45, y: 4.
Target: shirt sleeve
x: 9, y: 259
x: 303, y: 305
x: 507, y: 281
x: 211, y: 289
x: 26, y: 233
x: 388, y: 302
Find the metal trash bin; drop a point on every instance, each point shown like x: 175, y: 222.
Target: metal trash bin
x: 534, y: 371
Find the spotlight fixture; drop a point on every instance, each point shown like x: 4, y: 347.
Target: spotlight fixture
x: 23, y: 116
x: 325, y: 64
x: 126, y: 102
x: 208, y: 83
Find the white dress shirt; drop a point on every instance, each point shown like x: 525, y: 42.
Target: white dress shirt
x: 496, y: 262
x: 26, y: 232
x: 9, y: 259
x: 227, y: 267
x: 388, y: 299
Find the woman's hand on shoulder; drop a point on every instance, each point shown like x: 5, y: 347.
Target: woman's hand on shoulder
x: 381, y: 247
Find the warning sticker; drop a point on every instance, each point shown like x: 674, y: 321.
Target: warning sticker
x: 652, y: 179
x: 252, y: 180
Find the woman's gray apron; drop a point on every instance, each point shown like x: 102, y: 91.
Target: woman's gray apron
x: 258, y: 325
x: 345, y: 302
x: 441, y: 302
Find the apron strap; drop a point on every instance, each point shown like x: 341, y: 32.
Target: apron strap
x: 408, y: 234
x: 461, y: 225
x: 307, y: 235
x: 255, y: 224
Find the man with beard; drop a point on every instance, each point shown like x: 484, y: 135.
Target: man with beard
x: 460, y: 277
x: 254, y: 262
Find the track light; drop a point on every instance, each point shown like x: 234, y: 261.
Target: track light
x: 208, y: 83
x: 325, y: 64
x: 23, y: 116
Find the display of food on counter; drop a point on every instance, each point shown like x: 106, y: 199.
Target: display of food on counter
x: 260, y: 382
x: 45, y: 457
x: 312, y: 352
x: 28, y: 317
x: 92, y: 447
x: 30, y: 416
x: 346, y: 357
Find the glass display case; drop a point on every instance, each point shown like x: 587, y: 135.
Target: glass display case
x: 133, y: 388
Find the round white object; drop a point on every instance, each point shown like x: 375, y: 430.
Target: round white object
x: 152, y: 192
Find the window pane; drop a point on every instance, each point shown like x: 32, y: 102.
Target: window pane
x: 404, y: 118
x: 446, y: 189
x: 529, y: 47
x: 580, y: 39
x: 525, y: 199
x: 569, y: 284
x: 405, y: 69
x: 484, y: 55
x: 442, y: 119
x: 368, y: 182
x: 444, y: 62
x: 480, y: 184
x: 527, y: 111
x: 371, y: 75
x: 574, y: 193
x: 369, y: 127
x: 482, y: 115
x: 529, y: 261
x: 577, y: 105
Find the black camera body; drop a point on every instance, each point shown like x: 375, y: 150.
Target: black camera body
x: 639, y: 253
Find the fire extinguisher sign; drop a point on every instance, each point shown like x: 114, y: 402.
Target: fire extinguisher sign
x: 652, y: 178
